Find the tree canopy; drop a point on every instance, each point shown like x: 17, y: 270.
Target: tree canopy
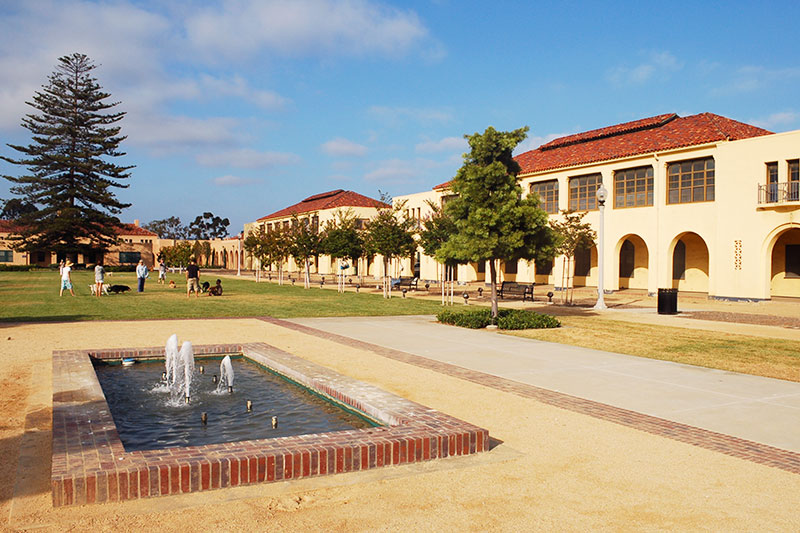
x: 493, y: 222
x: 71, y: 179
x: 208, y: 226
x: 168, y: 228
x: 390, y: 236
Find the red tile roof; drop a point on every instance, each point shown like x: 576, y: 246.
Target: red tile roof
x: 645, y: 136
x: 8, y: 226
x: 327, y: 200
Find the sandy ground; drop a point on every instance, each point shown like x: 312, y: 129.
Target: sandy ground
x: 550, y: 470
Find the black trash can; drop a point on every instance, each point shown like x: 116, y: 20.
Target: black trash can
x: 667, y: 301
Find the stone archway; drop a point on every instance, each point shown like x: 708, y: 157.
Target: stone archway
x: 632, y: 260
x: 689, y: 263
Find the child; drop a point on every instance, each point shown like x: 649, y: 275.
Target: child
x: 66, y: 280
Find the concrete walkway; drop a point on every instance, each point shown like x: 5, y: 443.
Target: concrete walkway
x: 759, y: 409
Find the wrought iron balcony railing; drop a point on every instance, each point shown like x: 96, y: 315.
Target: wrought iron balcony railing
x: 779, y: 193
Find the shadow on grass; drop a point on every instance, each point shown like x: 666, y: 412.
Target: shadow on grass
x: 6, y: 322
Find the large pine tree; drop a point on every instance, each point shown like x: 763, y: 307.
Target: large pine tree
x: 71, y: 178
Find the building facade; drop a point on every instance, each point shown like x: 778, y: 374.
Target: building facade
x: 700, y: 203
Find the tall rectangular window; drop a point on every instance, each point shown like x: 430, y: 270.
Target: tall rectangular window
x: 794, y: 180
x: 690, y: 181
x: 792, y: 261
x: 583, y: 192
x: 633, y: 187
x: 6, y: 256
x: 548, y: 195
x: 772, y: 181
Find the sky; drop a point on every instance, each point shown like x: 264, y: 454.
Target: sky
x: 244, y: 107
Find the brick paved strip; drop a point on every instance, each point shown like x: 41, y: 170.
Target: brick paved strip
x: 703, y: 438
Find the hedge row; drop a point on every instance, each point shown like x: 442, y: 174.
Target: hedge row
x: 506, y: 319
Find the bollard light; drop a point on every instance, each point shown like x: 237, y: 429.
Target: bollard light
x: 427, y: 286
x: 358, y: 286
x: 466, y: 298
x: 550, y: 296
x: 480, y: 292
x: 404, y: 292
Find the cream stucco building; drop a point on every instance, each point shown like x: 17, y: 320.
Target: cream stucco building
x: 700, y: 203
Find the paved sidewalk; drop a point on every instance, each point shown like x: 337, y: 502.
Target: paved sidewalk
x: 758, y: 409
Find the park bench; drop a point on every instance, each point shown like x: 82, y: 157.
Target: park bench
x: 399, y: 283
x: 512, y: 289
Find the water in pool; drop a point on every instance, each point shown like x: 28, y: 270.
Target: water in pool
x: 147, y: 419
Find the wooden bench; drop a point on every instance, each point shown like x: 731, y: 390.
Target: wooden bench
x: 512, y: 289
x: 399, y: 283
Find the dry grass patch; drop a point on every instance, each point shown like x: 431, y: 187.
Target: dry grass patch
x: 773, y: 358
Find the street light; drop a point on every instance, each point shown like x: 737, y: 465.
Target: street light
x: 602, y: 194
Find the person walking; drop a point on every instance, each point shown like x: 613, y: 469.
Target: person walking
x: 141, y: 274
x: 162, y: 272
x: 99, y: 278
x: 193, y: 278
x: 66, y: 279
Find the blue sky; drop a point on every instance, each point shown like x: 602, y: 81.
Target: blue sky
x: 244, y: 107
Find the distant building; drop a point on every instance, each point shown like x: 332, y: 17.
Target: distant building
x: 700, y: 203
x: 318, y: 210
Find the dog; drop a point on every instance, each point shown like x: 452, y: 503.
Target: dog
x: 116, y: 289
x: 172, y: 284
x: 204, y: 287
x: 93, y: 288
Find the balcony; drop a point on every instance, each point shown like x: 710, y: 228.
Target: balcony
x: 785, y: 193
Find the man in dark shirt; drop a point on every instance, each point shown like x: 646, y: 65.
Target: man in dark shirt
x: 193, y: 279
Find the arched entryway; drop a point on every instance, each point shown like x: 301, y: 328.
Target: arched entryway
x: 784, y: 271
x: 632, y: 261
x: 689, y: 264
x: 585, y: 268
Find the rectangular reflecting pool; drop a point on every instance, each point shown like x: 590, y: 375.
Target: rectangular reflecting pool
x: 91, y: 464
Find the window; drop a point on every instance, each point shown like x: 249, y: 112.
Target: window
x: 679, y: 261
x: 129, y: 257
x: 627, y: 255
x: 6, y: 256
x: 690, y: 181
x: 772, y: 182
x: 548, y: 195
x: 583, y: 192
x: 792, y: 261
x: 510, y: 267
x: 633, y: 187
x: 794, y: 180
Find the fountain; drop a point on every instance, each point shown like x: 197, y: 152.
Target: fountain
x: 179, y: 366
x: 187, y: 361
x: 225, y: 375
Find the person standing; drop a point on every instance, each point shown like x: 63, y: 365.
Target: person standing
x: 162, y: 272
x: 141, y: 274
x: 99, y: 278
x: 66, y: 279
x: 193, y: 279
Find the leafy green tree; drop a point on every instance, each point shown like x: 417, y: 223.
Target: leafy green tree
x: 207, y: 226
x: 270, y: 248
x: 177, y: 255
x: 341, y: 240
x: 437, y: 229
x: 168, y: 228
x: 391, y: 236
x: 305, y: 245
x: 493, y: 222
x: 71, y: 178
x: 574, y: 235
x: 14, y: 208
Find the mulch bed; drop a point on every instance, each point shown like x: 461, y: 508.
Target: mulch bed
x: 744, y: 318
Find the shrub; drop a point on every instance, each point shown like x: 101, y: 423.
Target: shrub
x: 506, y: 319
x: 524, y: 319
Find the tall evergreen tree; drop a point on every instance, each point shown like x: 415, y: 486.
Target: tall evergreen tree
x: 493, y: 222
x: 70, y: 179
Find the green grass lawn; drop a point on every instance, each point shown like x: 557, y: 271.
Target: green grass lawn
x: 33, y: 297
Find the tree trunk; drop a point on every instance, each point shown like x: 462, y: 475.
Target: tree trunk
x: 386, y: 279
x: 493, y: 275
x: 306, y: 274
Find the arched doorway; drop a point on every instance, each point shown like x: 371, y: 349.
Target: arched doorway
x: 690, y: 263
x: 633, y: 258
x: 785, y: 264
x: 585, y: 267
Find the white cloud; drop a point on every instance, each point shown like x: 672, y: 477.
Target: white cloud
x: 448, y: 144
x: 753, y: 78
x: 777, y: 120
x: 240, y: 88
x: 656, y: 65
x: 238, y: 29
x: 340, y: 147
x: 398, y: 115
x: 247, y: 158
x: 164, y: 134
x: 401, y: 170
x: 229, y: 180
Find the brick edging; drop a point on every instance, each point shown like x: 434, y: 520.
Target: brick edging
x: 756, y: 452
